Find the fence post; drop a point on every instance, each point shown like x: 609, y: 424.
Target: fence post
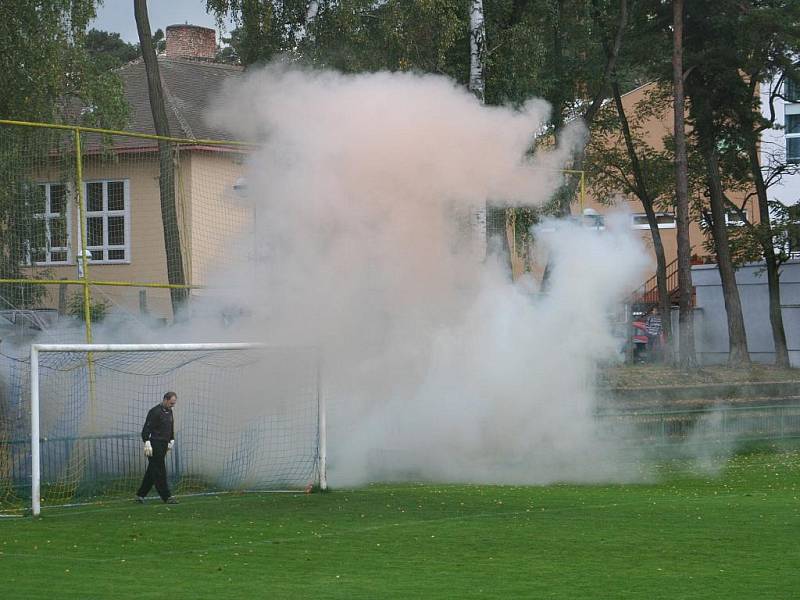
x: 724, y: 423
x: 36, y: 461
x: 583, y: 191
x: 143, y: 302
x: 84, y: 258
x: 87, y: 308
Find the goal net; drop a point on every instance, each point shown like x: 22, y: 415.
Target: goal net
x: 248, y: 417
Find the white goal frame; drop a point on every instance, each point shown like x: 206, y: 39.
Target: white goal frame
x: 36, y: 349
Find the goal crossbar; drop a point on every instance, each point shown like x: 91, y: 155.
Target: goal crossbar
x: 36, y: 349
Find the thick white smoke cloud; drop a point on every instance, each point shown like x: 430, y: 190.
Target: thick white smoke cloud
x: 435, y: 364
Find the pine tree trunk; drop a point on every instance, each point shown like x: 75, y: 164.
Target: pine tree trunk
x: 773, y: 274
x: 687, y: 357
x: 737, y: 338
x: 166, y: 179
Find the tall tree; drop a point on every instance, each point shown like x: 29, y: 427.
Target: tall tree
x: 606, y: 24
x: 767, y: 38
x: 737, y: 149
x: 766, y: 232
x: 620, y: 160
x: 722, y: 86
x: 166, y: 179
x: 45, y: 69
x: 353, y: 35
x: 738, y: 354
x: 686, y: 348
x: 710, y: 72
x: 46, y: 75
x: 729, y: 48
x: 267, y: 28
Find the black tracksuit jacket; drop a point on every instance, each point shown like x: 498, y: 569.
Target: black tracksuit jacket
x: 159, y: 426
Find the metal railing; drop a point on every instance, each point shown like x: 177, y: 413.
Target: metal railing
x: 648, y: 292
x: 721, y: 424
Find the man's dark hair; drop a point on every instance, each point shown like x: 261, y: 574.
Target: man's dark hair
x: 169, y: 395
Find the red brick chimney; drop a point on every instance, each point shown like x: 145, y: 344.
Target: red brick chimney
x: 191, y: 41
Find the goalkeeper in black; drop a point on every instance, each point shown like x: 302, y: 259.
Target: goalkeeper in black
x: 158, y: 435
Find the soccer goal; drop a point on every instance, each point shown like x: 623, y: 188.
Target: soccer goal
x: 248, y: 417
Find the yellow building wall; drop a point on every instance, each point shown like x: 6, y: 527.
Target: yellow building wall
x: 221, y: 220
x: 146, y: 260
x: 216, y: 225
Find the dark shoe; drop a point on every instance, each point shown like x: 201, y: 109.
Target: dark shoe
x: 171, y: 500
x: 140, y: 499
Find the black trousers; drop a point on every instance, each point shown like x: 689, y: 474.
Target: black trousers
x: 156, y: 472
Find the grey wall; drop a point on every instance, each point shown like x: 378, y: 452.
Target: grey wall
x: 711, y: 327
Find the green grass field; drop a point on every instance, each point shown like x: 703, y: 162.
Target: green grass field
x: 733, y: 535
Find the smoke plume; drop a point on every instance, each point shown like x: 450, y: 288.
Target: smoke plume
x: 436, y: 364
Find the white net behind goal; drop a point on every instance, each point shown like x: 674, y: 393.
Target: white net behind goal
x: 246, y: 419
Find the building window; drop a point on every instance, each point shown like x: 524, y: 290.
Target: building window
x: 108, y: 221
x: 793, y: 139
x: 791, y: 90
x: 793, y: 231
x: 49, y: 239
x: 733, y: 219
x: 664, y: 220
x: 591, y: 218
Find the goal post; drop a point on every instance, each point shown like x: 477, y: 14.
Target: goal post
x: 249, y: 417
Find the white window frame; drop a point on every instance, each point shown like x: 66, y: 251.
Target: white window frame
x: 790, y: 136
x: 48, y: 216
x: 635, y: 225
x: 105, y: 214
x: 792, y: 249
x: 790, y: 86
x: 732, y: 219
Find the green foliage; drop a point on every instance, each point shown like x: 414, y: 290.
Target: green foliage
x: 231, y: 52
x: 785, y: 228
x: 353, y: 35
x: 159, y: 41
x: 48, y: 73
x: 608, y: 163
x: 544, y: 48
x: 108, y: 50
x: 730, y: 47
x: 39, y: 57
x: 97, y: 308
x: 742, y: 240
x: 266, y: 27
x: 429, y: 36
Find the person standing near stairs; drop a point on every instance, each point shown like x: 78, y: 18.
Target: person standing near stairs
x: 654, y: 328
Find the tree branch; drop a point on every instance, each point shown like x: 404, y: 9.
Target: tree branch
x: 612, y: 54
